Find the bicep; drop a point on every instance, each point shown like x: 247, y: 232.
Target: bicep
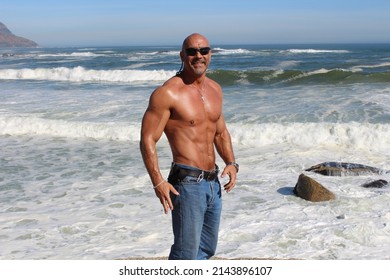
x: 153, y: 125
x: 221, y: 126
x: 155, y: 118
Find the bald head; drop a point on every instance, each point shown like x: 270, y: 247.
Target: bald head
x: 195, y: 40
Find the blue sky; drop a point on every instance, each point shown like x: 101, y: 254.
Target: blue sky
x: 165, y: 22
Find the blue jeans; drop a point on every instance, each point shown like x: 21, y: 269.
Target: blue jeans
x: 195, y: 217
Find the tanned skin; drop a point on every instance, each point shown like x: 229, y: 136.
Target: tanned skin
x: 188, y: 109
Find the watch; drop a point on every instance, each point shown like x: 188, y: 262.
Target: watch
x: 235, y: 164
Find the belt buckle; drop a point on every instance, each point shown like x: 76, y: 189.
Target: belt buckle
x: 200, y: 177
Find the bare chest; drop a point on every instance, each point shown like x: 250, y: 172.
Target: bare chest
x: 194, y: 107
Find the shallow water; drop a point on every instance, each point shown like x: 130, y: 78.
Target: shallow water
x: 73, y: 185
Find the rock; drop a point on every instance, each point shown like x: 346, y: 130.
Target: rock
x: 311, y: 190
x: 375, y: 184
x: 344, y: 169
x: 7, y: 39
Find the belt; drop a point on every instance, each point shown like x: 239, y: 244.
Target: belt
x: 181, y: 173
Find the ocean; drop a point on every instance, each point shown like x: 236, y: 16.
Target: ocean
x: 73, y: 185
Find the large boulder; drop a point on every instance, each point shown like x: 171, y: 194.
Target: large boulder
x: 344, y: 169
x: 309, y: 189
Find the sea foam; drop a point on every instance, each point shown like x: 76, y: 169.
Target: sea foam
x: 331, y: 135
x: 33, y: 126
x: 80, y: 74
x: 373, y: 137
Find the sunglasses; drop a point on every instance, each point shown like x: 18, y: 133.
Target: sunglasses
x: 202, y: 51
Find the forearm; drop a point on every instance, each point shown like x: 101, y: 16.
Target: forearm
x: 224, y: 148
x: 150, y: 159
x: 223, y: 144
x: 160, y: 186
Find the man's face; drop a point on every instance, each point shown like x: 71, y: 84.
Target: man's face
x: 196, y: 55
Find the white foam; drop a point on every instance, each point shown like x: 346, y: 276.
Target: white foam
x: 161, y: 53
x: 355, y: 136
x: 332, y: 135
x: 359, y: 68
x: 273, y: 75
x: 73, y: 54
x: 222, y: 51
x: 310, y: 73
x: 314, y: 51
x: 380, y: 99
x: 33, y: 126
x: 80, y: 74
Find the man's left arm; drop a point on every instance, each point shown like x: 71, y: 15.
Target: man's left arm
x: 223, y: 144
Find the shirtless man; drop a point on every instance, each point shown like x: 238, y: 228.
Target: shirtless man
x: 188, y: 109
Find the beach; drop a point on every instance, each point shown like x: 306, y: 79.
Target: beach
x: 73, y: 185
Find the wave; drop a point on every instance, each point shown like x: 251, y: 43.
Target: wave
x: 81, y: 54
x: 80, y: 74
x: 313, y: 51
x: 361, y: 67
x: 73, y: 54
x: 239, y: 51
x: 355, y: 74
x: 295, y: 77
x: 356, y: 136
x: 222, y: 51
x: 33, y: 126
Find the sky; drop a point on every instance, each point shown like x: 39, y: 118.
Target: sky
x: 164, y: 22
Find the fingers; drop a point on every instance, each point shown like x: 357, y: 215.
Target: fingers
x: 166, y: 205
x: 163, y: 193
x: 174, y: 191
x: 232, y: 173
x: 229, y: 186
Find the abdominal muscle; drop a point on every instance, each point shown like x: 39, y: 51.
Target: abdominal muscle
x: 191, y: 144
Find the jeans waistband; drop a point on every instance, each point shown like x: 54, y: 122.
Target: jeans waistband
x: 181, y: 171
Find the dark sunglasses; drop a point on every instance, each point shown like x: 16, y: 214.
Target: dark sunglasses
x: 202, y: 51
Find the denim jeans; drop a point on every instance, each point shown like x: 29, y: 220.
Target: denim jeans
x: 195, y: 217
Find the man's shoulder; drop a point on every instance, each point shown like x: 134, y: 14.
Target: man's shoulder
x: 171, y: 86
x: 173, y: 82
x: 168, y: 89
x: 215, y: 85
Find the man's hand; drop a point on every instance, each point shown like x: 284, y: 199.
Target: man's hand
x: 163, y: 193
x: 231, y: 171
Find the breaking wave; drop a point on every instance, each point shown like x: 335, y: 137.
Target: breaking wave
x: 80, y: 74
x: 347, y: 135
x: 296, y: 77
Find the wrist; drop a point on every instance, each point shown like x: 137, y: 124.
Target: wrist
x: 154, y: 187
x: 235, y: 164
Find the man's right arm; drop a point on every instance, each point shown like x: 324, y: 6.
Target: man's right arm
x: 153, y: 125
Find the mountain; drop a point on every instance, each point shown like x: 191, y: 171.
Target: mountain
x: 7, y: 39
